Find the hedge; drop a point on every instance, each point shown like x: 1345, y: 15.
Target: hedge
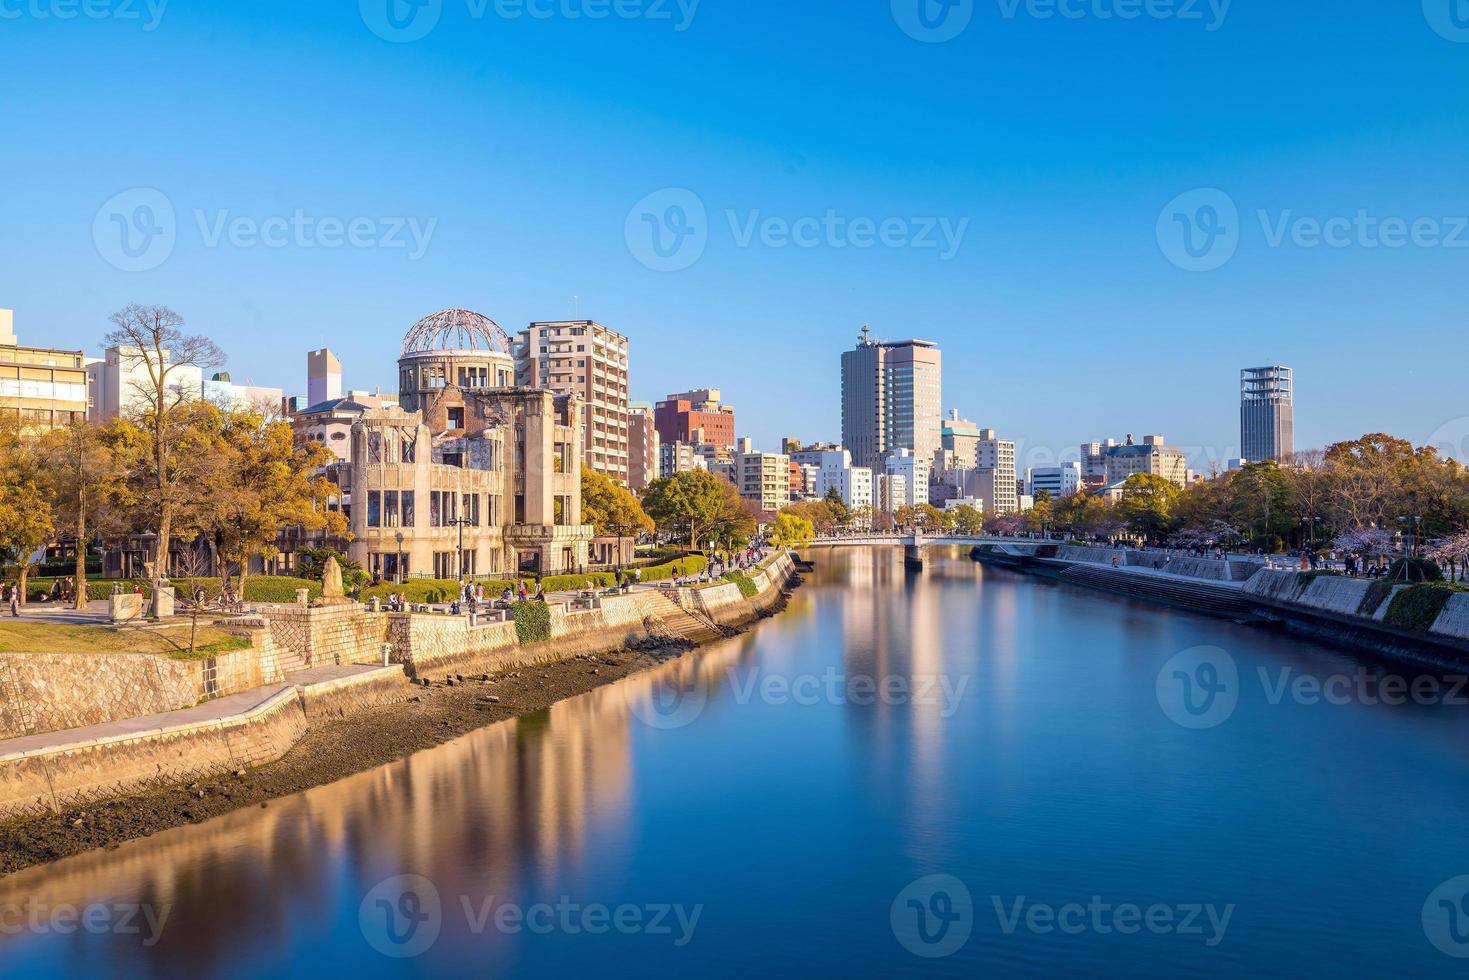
x: 1377, y: 591
x: 743, y: 582
x: 1417, y: 607
x: 688, y: 565
x: 1419, y: 570
x: 532, y: 621
x: 258, y: 588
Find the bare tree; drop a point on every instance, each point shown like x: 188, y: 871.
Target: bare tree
x: 152, y: 338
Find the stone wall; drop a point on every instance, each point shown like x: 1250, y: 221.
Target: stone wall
x: 346, y: 696
x: 1454, y: 620
x: 1335, y: 593
x: 47, y: 692
x: 318, y: 636
x: 64, y: 776
x: 1270, y: 583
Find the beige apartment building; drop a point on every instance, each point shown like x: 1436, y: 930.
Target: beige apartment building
x: 42, y: 388
x: 584, y: 358
x: 762, y: 478
x: 642, y: 447
x: 1152, y: 456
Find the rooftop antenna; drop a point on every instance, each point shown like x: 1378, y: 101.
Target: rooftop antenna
x: 866, y: 339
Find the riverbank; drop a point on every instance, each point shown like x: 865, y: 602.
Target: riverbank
x: 1357, y: 613
x: 421, y: 714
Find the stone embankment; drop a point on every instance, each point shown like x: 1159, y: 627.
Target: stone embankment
x: 133, y: 722
x: 1352, y: 611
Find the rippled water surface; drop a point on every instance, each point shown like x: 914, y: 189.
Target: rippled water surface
x: 819, y: 795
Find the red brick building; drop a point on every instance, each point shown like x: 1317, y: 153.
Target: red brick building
x: 695, y: 417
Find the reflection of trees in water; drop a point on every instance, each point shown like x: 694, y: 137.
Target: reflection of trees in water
x: 474, y: 816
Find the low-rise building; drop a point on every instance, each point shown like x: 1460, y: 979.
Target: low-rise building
x: 1151, y: 456
x: 679, y: 457
x: 1058, y: 481
x: 42, y: 388
x: 642, y: 446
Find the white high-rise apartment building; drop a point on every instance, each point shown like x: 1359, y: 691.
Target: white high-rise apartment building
x: 590, y: 360
x: 914, y: 471
x: 764, y: 478
x: 892, y: 398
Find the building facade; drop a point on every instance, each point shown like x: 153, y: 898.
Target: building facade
x: 323, y: 377
x: 1151, y: 456
x: 41, y: 388
x: 584, y: 358
x: 892, y: 398
x: 914, y: 471
x: 678, y: 457
x: 696, y: 417
x: 1058, y: 481
x: 1267, y: 423
x: 642, y: 446
x: 762, y: 478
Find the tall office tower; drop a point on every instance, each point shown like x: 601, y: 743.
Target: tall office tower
x: 891, y: 398
x: 696, y: 417
x: 323, y: 377
x: 1267, y: 423
x: 642, y: 446
x: 584, y: 358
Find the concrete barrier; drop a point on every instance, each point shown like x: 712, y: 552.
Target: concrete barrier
x: 1454, y: 619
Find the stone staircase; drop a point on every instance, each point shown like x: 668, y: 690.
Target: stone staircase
x: 692, y: 626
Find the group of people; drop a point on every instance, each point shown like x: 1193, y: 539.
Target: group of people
x: 62, y: 590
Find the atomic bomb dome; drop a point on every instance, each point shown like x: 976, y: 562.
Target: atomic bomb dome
x: 452, y: 350
x: 455, y: 330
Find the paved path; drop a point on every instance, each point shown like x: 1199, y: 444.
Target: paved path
x: 216, y: 710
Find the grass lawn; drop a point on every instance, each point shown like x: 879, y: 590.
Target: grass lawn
x: 171, y: 641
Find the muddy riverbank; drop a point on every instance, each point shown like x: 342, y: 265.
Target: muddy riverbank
x: 426, y: 717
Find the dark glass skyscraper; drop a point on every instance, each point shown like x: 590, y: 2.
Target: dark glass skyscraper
x: 1267, y: 414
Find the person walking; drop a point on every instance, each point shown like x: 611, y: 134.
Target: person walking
x: 15, y: 600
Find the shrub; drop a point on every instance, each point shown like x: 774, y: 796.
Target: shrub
x: 417, y: 590
x: 570, y: 583
x: 688, y: 565
x: 532, y: 621
x: 1418, y: 606
x: 258, y: 588
x: 743, y: 582
x: 1377, y: 591
x: 1419, y: 570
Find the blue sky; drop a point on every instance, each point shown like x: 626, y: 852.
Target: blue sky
x: 527, y: 151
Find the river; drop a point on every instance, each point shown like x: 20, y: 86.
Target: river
x: 960, y: 773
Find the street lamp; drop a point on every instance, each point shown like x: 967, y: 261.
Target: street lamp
x: 399, y: 569
x: 459, y: 522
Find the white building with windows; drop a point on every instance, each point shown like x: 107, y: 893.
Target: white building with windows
x: 1059, y: 481
x: 914, y: 470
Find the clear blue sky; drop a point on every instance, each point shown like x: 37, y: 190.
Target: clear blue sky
x: 529, y: 140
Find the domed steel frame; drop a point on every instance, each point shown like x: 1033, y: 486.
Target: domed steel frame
x: 455, y: 330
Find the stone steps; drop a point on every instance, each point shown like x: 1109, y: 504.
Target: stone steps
x: 689, y: 625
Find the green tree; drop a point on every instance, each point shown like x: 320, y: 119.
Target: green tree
x: 840, y: 512
x: 610, y: 507
x: 687, y: 504
x: 26, y: 519
x: 152, y: 344
x: 968, y: 519
x: 1147, y: 504
x: 790, y: 531
x: 85, y: 477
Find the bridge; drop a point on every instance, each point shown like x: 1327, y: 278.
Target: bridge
x: 914, y: 543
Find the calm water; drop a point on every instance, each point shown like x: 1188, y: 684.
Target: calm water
x: 774, y: 821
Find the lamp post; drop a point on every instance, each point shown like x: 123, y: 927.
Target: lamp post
x: 459, y: 522
x: 399, y: 569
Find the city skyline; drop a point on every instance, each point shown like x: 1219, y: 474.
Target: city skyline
x: 1060, y: 261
